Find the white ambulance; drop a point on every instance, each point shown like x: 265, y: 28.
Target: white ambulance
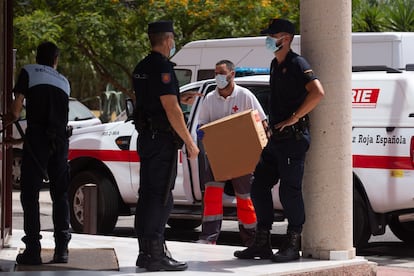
x: 383, y: 158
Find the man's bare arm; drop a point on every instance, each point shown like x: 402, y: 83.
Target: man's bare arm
x: 176, y: 119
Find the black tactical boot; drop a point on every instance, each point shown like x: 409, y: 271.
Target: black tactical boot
x: 31, y: 255
x: 143, y: 255
x: 261, y: 247
x: 61, y: 255
x: 290, y: 250
x: 159, y: 261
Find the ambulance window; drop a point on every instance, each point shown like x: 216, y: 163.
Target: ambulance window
x: 262, y: 93
x: 183, y: 76
x: 205, y: 74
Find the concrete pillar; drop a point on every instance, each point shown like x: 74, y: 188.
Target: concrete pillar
x: 326, y: 44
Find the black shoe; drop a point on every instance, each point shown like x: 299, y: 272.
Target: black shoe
x: 289, y: 251
x: 287, y: 255
x: 142, y: 260
x: 160, y: 258
x: 61, y: 257
x: 166, y: 264
x: 261, y: 247
x: 29, y: 258
x: 253, y: 252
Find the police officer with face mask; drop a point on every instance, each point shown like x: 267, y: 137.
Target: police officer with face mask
x: 295, y: 91
x: 161, y: 132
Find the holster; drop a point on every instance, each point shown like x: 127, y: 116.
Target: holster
x: 291, y: 132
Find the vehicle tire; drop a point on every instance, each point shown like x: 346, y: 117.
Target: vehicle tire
x: 108, y: 201
x: 361, y: 228
x: 16, y: 168
x: 402, y: 230
x: 184, y: 224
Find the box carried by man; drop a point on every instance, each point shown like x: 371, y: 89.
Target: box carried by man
x: 233, y: 144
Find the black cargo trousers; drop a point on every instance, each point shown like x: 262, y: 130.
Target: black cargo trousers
x: 157, y: 151
x: 281, y: 160
x: 52, y: 157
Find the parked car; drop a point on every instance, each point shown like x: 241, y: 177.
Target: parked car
x: 79, y: 116
x: 382, y: 144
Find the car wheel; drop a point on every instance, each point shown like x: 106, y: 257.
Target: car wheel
x: 108, y: 199
x: 184, y: 224
x: 361, y: 227
x: 402, y: 230
x: 16, y: 168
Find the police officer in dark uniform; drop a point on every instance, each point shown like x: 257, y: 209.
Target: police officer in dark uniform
x: 162, y: 130
x: 295, y: 91
x: 45, y: 150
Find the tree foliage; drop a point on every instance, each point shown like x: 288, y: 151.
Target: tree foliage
x: 383, y: 15
x: 102, y: 40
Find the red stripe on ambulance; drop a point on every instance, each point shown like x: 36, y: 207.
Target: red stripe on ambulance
x: 109, y: 155
x: 382, y: 162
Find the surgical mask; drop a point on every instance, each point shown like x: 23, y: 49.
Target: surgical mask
x: 221, y: 81
x: 172, y: 50
x: 271, y: 44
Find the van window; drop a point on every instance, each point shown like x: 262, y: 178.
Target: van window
x: 183, y: 76
x: 205, y: 74
x: 262, y: 93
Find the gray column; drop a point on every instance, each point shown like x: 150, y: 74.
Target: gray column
x: 326, y: 44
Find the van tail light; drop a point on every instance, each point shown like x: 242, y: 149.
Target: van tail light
x: 412, y: 151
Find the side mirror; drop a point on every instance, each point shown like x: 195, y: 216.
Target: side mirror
x: 129, y: 109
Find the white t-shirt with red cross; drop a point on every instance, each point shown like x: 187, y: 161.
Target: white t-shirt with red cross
x: 216, y: 106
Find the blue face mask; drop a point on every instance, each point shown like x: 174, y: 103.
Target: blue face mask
x: 172, y: 50
x: 271, y: 44
x: 221, y: 81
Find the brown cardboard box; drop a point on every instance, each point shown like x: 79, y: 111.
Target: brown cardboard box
x: 233, y: 144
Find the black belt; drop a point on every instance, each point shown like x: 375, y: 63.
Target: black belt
x: 294, y: 131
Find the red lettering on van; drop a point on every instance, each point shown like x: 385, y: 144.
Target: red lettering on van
x: 365, y: 97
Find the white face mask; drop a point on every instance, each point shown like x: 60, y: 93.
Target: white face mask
x: 172, y: 50
x: 221, y: 81
x: 272, y: 45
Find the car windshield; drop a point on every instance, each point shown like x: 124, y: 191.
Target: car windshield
x: 79, y: 112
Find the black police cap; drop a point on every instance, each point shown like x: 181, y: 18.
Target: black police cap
x: 278, y: 25
x: 160, y: 27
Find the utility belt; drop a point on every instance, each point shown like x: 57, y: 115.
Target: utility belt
x: 295, y: 131
x: 155, y: 127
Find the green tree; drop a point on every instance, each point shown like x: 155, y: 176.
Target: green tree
x: 367, y: 16
x: 101, y: 40
x: 400, y: 15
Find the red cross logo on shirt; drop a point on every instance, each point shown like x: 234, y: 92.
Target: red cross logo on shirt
x: 235, y: 108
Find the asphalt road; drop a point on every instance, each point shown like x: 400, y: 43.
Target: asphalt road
x: 386, y: 250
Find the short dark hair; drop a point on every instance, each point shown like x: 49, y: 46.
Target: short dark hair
x: 157, y: 38
x: 228, y: 63
x: 47, y: 53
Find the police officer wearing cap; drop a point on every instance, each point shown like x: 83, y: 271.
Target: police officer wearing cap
x: 45, y: 150
x: 295, y: 91
x: 161, y: 131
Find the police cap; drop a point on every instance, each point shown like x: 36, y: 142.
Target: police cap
x: 160, y: 27
x: 279, y: 25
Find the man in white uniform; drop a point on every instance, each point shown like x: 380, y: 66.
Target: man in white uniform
x: 228, y: 98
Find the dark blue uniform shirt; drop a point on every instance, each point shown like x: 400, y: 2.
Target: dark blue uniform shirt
x: 287, y: 83
x: 153, y: 77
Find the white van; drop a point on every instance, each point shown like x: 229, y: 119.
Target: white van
x: 197, y: 59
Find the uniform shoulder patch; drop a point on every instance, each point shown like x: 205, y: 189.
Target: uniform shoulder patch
x: 309, y: 74
x: 166, y: 78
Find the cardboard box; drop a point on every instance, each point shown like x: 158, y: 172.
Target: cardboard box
x: 233, y: 144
